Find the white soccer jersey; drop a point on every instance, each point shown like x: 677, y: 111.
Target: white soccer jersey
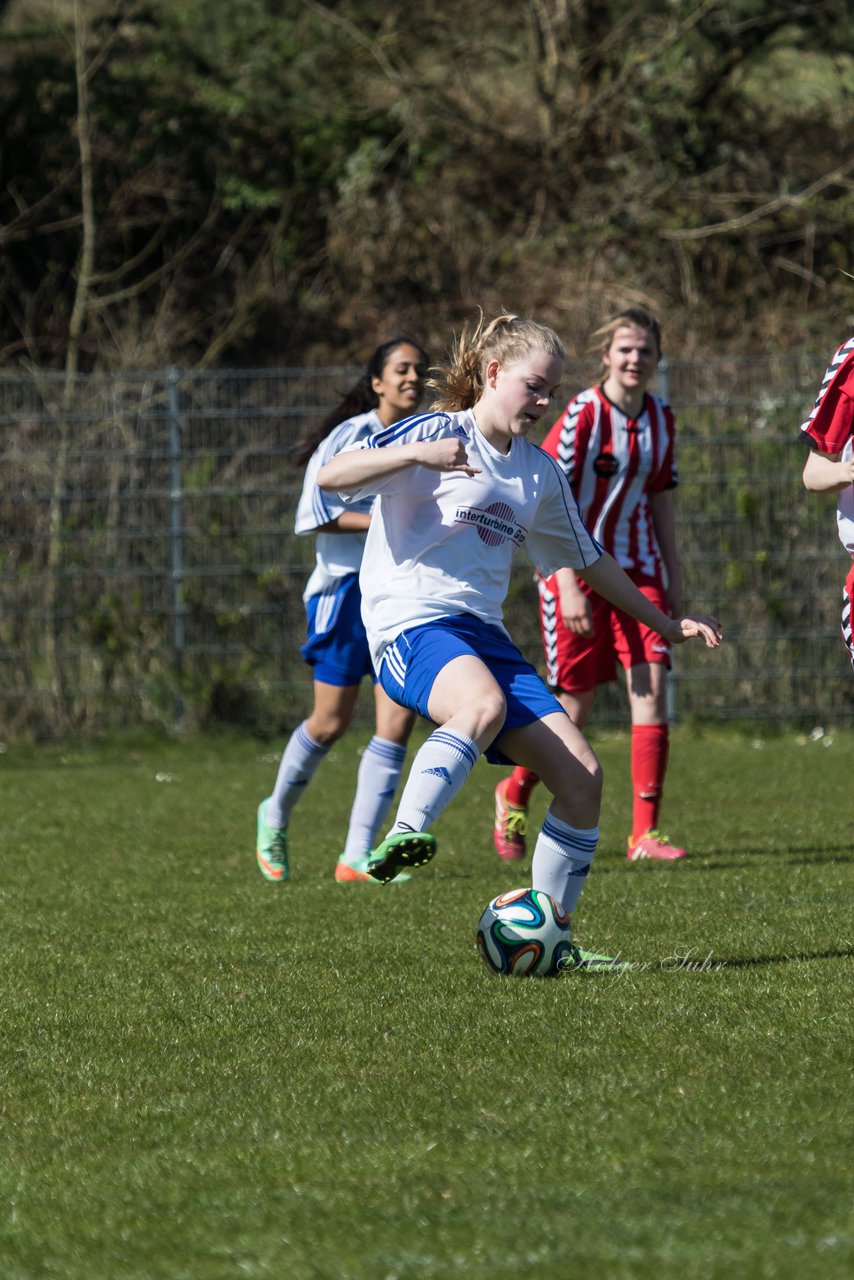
x: 613, y: 463
x: 830, y: 429
x: 337, y: 554
x: 441, y: 542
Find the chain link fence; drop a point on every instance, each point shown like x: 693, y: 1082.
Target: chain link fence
x: 150, y: 574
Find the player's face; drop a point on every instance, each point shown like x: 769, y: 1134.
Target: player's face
x: 632, y: 358
x: 520, y: 393
x: 400, y: 386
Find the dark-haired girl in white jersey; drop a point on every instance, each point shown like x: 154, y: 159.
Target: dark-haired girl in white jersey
x: 336, y: 648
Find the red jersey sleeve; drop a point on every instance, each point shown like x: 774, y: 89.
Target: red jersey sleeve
x: 831, y: 423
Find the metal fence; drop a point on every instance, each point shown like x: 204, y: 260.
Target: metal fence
x: 150, y: 574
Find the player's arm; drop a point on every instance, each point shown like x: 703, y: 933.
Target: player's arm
x: 347, y: 522
x: 827, y: 472
x: 664, y: 523
x: 354, y: 469
x: 575, y: 611
x: 606, y: 577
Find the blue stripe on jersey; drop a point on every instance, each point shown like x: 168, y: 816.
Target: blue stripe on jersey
x: 319, y: 507
x: 392, y: 433
x: 565, y: 489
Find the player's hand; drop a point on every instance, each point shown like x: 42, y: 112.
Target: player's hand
x: 576, y: 613
x: 447, y: 454
x: 700, y: 626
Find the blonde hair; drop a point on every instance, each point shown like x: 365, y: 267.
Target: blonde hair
x: 507, y: 338
x: 629, y: 317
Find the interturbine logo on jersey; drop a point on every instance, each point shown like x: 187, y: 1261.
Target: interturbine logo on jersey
x: 494, y: 524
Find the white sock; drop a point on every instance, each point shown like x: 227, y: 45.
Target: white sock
x: 438, y: 771
x: 301, y: 757
x: 379, y: 774
x: 562, y: 858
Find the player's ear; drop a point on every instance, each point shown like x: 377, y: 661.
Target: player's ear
x: 492, y: 372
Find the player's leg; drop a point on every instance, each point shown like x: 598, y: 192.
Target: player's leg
x: 558, y: 751
x: 336, y: 648
x: 571, y: 670
x: 646, y: 658
x: 436, y: 670
x: 468, y: 706
x: 307, y: 746
x: 847, y: 597
x: 376, y: 783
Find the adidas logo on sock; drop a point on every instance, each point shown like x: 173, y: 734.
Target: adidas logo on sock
x: 439, y: 771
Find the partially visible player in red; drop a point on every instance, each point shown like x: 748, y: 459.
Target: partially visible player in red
x: 829, y: 431
x: 615, y: 444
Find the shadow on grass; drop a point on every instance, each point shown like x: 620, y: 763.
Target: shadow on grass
x: 755, y: 962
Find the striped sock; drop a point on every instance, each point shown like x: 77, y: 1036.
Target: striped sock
x: 562, y: 859
x: 379, y: 774
x: 438, y: 771
x: 301, y: 757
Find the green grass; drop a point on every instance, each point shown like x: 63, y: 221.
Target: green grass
x: 206, y: 1077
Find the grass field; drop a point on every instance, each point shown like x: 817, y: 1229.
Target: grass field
x: 205, y: 1076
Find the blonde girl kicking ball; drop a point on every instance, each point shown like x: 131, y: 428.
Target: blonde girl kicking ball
x: 458, y: 489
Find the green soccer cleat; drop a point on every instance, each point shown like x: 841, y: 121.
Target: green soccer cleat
x: 271, y: 848
x: 399, y: 850
x: 356, y: 872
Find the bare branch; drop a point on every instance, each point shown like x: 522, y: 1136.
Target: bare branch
x: 785, y: 201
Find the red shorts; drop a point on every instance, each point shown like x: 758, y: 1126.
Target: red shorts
x: 578, y: 663
x: 847, y: 597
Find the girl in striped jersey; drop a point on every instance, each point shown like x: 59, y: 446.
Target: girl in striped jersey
x: 614, y: 443
x: 829, y: 431
x: 337, y: 648
x: 458, y: 490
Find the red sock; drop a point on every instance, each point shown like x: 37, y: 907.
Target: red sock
x: 520, y: 785
x: 649, y: 765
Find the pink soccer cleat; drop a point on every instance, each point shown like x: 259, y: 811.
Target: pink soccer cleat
x: 511, y: 824
x: 655, y: 846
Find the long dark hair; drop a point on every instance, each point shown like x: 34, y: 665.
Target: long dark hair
x: 359, y: 399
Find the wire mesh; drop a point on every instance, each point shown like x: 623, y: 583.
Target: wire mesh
x: 149, y: 572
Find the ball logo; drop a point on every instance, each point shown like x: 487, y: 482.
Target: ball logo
x: 605, y: 464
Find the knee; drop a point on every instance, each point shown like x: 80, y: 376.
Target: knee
x: 581, y: 787
x: 328, y: 727
x: 493, y: 712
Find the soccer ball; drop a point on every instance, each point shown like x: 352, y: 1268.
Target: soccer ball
x: 526, y: 933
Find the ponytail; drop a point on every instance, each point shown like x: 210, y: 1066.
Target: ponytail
x: 507, y: 338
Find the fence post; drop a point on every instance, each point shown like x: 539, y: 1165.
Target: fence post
x: 176, y: 540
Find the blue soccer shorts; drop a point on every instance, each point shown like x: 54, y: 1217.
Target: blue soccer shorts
x: 411, y: 664
x: 337, y: 647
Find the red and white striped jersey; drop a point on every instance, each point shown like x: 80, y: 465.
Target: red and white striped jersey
x: 613, y: 464
x: 830, y: 429
x: 831, y: 424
